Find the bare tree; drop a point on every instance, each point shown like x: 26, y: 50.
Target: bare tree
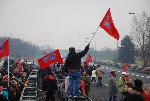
x: 140, y: 35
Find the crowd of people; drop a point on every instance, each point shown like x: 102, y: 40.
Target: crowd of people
x: 11, y: 85
x: 79, y: 78
x: 125, y: 89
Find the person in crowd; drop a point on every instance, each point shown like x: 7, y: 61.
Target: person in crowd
x: 50, y: 86
x: 25, y: 81
x: 99, y: 74
x: 138, y: 86
x: 85, y: 67
x: 146, y: 92
x: 90, y: 69
x: 66, y: 83
x: 126, y: 78
x: 131, y: 94
x: 73, y: 67
x: 5, y: 93
x: 87, y: 81
x: 121, y: 86
x: 128, y: 88
x: 93, y: 76
x: 2, y: 97
x: 112, y: 87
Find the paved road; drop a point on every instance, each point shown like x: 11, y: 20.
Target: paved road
x: 101, y: 94
x: 133, y: 75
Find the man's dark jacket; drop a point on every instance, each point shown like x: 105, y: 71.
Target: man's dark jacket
x: 50, y: 84
x: 73, y: 61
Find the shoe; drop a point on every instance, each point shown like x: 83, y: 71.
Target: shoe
x: 70, y: 96
x: 75, y: 96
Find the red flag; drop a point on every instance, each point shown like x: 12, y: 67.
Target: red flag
x: 89, y: 58
x: 125, y: 67
x: 108, y: 25
x: 4, y: 49
x: 50, y: 58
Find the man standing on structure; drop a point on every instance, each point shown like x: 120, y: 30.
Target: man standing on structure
x: 73, y: 67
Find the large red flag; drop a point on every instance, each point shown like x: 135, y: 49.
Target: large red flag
x: 50, y: 58
x: 108, y: 25
x: 89, y: 58
x: 4, y: 49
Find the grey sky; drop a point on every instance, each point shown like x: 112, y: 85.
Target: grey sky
x: 65, y: 23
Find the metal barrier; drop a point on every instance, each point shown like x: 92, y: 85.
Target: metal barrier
x: 63, y: 95
x: 29, y: 93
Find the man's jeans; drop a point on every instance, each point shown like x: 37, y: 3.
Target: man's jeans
x: 113, y: 98
x: 74, y: 83
x: 99, y: 82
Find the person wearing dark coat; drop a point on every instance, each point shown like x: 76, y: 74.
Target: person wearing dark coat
x: 50, y: 86
x: 112, y: 89
x: 73, y: 67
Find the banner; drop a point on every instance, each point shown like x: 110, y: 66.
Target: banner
x: 50, y: 58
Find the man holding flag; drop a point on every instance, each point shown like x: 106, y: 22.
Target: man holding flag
x: 73, y: 66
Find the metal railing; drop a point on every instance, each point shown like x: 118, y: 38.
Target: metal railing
x: 29, y: 92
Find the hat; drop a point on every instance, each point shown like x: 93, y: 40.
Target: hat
x: 6, y: 78
x: 5, y: 93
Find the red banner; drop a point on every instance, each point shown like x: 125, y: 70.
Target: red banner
x: 50, y: 58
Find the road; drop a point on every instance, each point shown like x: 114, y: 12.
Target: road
x: 101, y: 94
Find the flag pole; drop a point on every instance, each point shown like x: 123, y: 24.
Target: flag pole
x: 117, y: 49
x: 8, y: 71
x: 94, y: 34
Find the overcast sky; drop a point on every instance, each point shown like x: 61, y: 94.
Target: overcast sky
x: 65, y: 23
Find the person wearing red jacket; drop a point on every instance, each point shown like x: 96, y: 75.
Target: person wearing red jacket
x: 146, y: 92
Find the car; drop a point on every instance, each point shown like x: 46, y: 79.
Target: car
x: 147, y: 69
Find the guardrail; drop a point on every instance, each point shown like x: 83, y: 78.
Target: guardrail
x: 63, y: 94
